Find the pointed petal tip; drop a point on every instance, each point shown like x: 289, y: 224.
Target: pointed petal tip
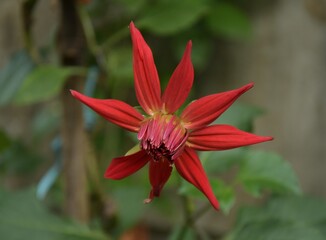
x: 180, y: 82
x: 147, y: 200
x: 265, y: 139
x: 73, y: 92
x: 131, y: 25
x: 189, y: 44
x: 146, y: 79
x: 132, y: 29
x: 188, y: 50
x: 205, y: 110
x: 268, y: 138
x: 248, y: 86
x: 190, y: 168
x: 76, y: 94
x: 214, y: 202
x: 216, y: 205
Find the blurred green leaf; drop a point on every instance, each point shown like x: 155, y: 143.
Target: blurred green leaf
x: 13, y: 74
x: 128, y: 213
x: 274, y: 231
x: 120, y: 64
x: 189, y: 233
x: 201, y: 50
x: 4, y: 141
x: 289, y: 218
x: 46, y: 121
x: 225, y: 194
x: 43, y: 83
x: 241, y: 116
x: 265, y: 170
x: 168, y: 17
x: 132, y: 6
x: 23, y: 217
x: 226, y: 20
x: 221, y: 161
x: 18, y: 159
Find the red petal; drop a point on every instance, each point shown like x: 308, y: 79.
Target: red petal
x: 159, y: 173
x: 180, y: 83
x: 221, y: 137
x: 147, y: 84
x: 115, y: 111
x: 206, y: 109
x: 191, y: 169
x: 122, y: 167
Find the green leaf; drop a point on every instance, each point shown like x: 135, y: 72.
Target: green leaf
x: 241, y: 116
x: 221, y: 161
x: 264, y: 170
x: 264, y: 231
x: 13, y: 75
x: 132, y: 6
x: 4, y: 141
x: 43, y: 83
x: 187, y: 233
x: 19, y: 160
x: 120, y: 64
x: 128, y: 213
x: 46, y: 121
x: 22, y: 216
x: 225, y: 194
x: 202, y: 47
x: 289, y: 218
x: 168, y: 16
x: 226, y: 20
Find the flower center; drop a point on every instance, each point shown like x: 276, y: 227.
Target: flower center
x: 163, y: 137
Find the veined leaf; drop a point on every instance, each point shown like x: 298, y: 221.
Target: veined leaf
x: 264, y: 170
x: 225, y: 194
x: 221, y: 161
x: 288, y: 218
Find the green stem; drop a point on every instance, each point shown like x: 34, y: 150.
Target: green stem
x: 95, y: 49
x: 188, y: 223
x: 200, y: 212
x: 27, y: 20
x: 116, y: 37
x: 187, y: 212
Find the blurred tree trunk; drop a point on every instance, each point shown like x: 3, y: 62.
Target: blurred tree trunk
x: 286, y: 60
x: 72, y: 48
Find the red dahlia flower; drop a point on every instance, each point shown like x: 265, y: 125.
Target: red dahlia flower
x: 167, y: 139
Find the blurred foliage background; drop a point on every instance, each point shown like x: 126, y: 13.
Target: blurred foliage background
x: 53, y: 151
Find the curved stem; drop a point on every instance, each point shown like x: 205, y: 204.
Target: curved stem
x: 116, y: 37
x: 200, y: 212
x: 190, y: 217
x: 27, y: 20
x: 188, y: 223
x: 95, y: 49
